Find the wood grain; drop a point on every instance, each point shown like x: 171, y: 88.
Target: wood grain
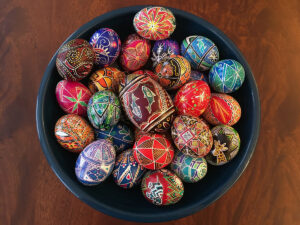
x: 268, y: 34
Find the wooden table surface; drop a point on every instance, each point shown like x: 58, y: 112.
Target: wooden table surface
x: 268, y: 34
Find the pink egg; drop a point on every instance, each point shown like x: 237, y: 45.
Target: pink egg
x: 73, y: 97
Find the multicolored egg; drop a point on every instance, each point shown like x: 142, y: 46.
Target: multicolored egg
x: 75, y: 60
x: 153, y: 151
x: 163, y: 49
x: 193, y: 98
x: 146, y: 103
x: 73, y: 133
x: 154, y: 23
x: 104, y: 110
x: 162, y: 187
x: 106, y: 44
x: 191, y: 136
x: 222, y: 109
x: 95, y: 163
x: 189, y: 169
x: 226, y: 76
x: 72, y: 97
x: 172, y: 73
x: 226, y: 145
x: 127, y: 172
x: 135, y: 53
x: 197, y: 75
x: 201, y: 52
x: 107, y: 78
x: 146, y: 72
x: 120, y: 135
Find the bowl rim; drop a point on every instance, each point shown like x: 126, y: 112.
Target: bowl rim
x: 131, y: 216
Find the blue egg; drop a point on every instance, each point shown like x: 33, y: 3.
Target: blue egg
x: 106, y: 44
x: 163, y: 49
x: 95, y: 163
x: 201, y: 52
x: 226, y: 76
x: 196, y: 75
x: 127, y: 171
x: 121, y: 135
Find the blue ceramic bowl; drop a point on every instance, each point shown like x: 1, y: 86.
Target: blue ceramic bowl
x: 130, y: 204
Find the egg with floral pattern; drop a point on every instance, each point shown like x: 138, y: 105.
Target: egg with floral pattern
x: 127, y: 172
x: 106, y: 44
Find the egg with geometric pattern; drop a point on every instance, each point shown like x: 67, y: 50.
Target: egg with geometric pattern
x: 127, y: 172
x: 153, y: 151
x: 73, y: 132
x: 162, y: 187
x: 95, y: 163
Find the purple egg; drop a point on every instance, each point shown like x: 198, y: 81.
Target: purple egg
x: 197, y: 75
x: 163, y: 49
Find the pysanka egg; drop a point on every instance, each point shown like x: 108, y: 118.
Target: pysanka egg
x: 222, y: 109
x: 127, y: 172
x: 120, y: 134
x: 135, y: 53
x: 189, y: 169
x: 191, y: 136
x: 73, y: 132
x: 95, y: 163
x: 154, y: 23
x: 106, y: 44
x: 107, y: 78
x: 172, y: 73
x: 146, y: 103
x: 162, y: 187
x: 153, y: 151
x: 226, y: 76
x: 163, y: 49
x: 193, y: 98
x: 201, y: 52
x: 75, y: 60
x: 72, y: 97
x: 104, y: 109
x: 197, y: 75
x: 226, y: 145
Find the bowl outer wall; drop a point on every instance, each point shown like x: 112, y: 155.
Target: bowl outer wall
x: 192, y: 207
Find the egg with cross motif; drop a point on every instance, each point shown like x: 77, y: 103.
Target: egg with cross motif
x: 127, y: 172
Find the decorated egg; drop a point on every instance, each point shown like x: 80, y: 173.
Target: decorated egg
x: 226, y: 76
x: 172, y: 73
x: 222, y: 109
x: 121, y: 136
x: 162, y: 187
x: 226, y: 145
x: 193, y: 98
x: 75, y: 60
x: 197, y: 75
x: 189, y: 169
x: 73, y: 133
x: 154, y: 23
x: 163, y: 49
x: 104, y: 110
x: 146, y: 72
x: 201, y: 52
x: 191, y: 136
x: 127, y: 172
x: 147, y: 105
x: 106, y: 45
x: 72, y: 97
x: 153, y: 151
x: 135, y: 53
x: 95, y: 163
x: 107, y: 78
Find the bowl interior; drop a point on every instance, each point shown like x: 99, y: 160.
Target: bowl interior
x: 130, y: 204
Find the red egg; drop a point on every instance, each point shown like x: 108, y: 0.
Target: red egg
x: 135, y: 53
x: 73, y: 97
x: 222, y: 109
x: 153, y: 151
x: 193, y: 98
